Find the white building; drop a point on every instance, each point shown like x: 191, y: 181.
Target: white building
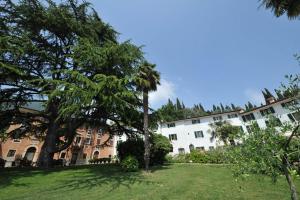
x: 196, y: 133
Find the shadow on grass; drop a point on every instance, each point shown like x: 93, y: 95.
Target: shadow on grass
x: 79, y: 177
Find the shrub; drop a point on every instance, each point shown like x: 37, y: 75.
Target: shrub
x: 216, y: 156
x: 160, y: 147
x: 134, y: 147
x: 130, y: 164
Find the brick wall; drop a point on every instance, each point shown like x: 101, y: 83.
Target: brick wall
x: 85, y: 146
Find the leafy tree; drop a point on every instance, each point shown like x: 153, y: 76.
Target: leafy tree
x: 280, y: 7
x: 147, y: 79
x: 66, y: 58
x: 226, y: 132
x: 266, y: 151
x: 271, y: 150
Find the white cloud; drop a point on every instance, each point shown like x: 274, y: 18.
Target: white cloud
x: 254, y: 96
x: 165, y: 91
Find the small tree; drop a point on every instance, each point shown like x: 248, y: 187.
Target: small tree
x: 266, y: 151
x: 226, y: 132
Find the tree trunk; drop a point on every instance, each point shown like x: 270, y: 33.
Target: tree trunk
x: 48, y: 148
x: 146, y: 132
x: 294, y: 195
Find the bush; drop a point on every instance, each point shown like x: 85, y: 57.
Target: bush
x: 130, y: 164
x: 160, y: 147
x: 100, y: 160
x: 216, y: 156
x: 134, y: 147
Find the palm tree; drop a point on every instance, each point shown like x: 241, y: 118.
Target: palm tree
x: 280, y: 7
x: 147, y: 79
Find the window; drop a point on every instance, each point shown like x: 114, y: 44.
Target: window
x: 241, y: 128
x: 277, y: 122
x: 199, y: 134
x: 249, y: 128
x: 211, y: 148
x: 172, y: 137
x: 77, y: 140
x: 181, y: 151
x: 84, y: 156
x: 267, y: 111
x: 248, y: 117
x: 110, y: 142
x: 87, y: 141
x: 200, y: 148
x: 289, y: 104
x: 171, y: 125
x: 17, y: 140
x: 232, y: 116
x: 89, y: 132
x: 294, y: 116
x: 196, y: 121
x: 192, y: 147
x: 100, y: 130
x: 98, y: 141
x: 11, y: 153
x: 63, y: 155
x: 217, y: 118
x: 291, y: 117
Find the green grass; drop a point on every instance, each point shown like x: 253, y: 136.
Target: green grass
x: 178, y: 181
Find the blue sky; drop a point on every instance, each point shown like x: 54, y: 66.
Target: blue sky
x: 208, y: 51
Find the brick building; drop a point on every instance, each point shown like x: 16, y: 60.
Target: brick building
x: 89, y: 143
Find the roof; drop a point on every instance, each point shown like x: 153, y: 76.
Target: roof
x: 208, y: 115
x: 265, y: 106
x: 239, y: 111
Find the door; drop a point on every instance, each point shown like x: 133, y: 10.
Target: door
x: 30, y: 153
x: 74, y: 158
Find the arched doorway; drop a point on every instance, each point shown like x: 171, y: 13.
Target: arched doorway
x: 96, y: 155
x: 30, y: 153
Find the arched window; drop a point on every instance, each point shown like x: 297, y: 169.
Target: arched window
x: 30, y: 153
x: 96, y: 154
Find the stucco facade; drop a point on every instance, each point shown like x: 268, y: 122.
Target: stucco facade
x: 196, y: 133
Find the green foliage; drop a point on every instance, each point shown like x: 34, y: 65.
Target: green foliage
x: 226, y: 132
x: 160, y: 146
x: 177, y: 111
x: 289, y: 7
x: 216, y: 156
x: 262, y: 151
x: 134, y: 147
x: 130, y: 164
x: 65, y: 57
x: 100, y: 160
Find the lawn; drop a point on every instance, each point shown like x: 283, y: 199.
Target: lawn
x: 178, y: 181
